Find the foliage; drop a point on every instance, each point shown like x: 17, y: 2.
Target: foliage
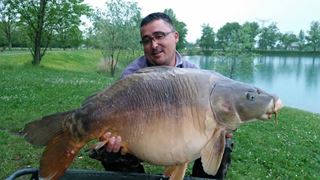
x: 207, y: 38
x: 2, y: 37
x: 67, y: 32
x: 313, y: 36
x: 251, y: 31
x: 116, y: 29
x: 180, y: 27
x: 89, y: 38
x: 8, y: 23
x: 287, y: 39
x: 70, y: 37
x: 301, y: 40
x: 43, y: 24
x: 224, y: 34
x: 268, y: 37
x: 236, y: 39
x: 239, y: 43
x: 40, y: 19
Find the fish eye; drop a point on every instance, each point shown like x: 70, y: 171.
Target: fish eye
x: 250, y: 96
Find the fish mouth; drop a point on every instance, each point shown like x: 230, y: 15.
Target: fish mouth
x: 276, y: 106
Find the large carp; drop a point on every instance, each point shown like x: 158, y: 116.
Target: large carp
x: 165, y: 116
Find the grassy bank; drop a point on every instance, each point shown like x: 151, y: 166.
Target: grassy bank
x: 289, y: 151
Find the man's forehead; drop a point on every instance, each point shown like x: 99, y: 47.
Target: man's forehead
x: 155, y: 26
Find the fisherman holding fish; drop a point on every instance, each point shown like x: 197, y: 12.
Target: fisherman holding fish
x: 159, y: 39
x: 161, y: 115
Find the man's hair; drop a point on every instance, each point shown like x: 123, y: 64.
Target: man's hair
x: 157, y: 16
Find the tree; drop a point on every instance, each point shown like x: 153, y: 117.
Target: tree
x: 70, y: 37
x: 224, y: 34
x: 268, y: 37
x: 207, y: 38
x: 89, y: 38
x: 301, y: 40
x: 180, y: 27
x: 239, y: 43
x: 40, y: 18
x: 114, y: 27
x: 287, y: 39
x: 251, y: 30
x: 2, y: 38
x: 313, y: 36
x: 8, y: 18
x: 133, y: 32
x: 67, y: 31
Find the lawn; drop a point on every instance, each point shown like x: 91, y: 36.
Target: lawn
x: 64, y: 79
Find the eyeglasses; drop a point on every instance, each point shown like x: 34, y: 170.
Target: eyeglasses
x: 158, y: 36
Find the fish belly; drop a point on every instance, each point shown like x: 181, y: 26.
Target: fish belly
x: 169, y: 146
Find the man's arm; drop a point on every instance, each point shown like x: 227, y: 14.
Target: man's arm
x: 137, y: 64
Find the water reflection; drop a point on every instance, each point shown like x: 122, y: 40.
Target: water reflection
x: 294, y: 79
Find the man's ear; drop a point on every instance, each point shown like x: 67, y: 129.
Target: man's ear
x: 176, y: 36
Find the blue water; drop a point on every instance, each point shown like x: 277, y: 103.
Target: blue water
x: 296, y: 80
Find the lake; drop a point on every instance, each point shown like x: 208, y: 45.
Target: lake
x: 296, y: 80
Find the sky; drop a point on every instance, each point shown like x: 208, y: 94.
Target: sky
x: 289, y: 15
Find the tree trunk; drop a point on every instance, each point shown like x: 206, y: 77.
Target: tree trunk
x: 37, y: 49
x: 9, y: 35
x: 233, y: 68
x: 9, y: 42
x: 112, y: 64
x: 38, y: 33
x: 8, y: 32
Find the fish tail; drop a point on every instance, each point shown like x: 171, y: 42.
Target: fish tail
x: 58, y: 155
x: 41, y: 131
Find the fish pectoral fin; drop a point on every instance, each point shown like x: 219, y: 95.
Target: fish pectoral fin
x: 100, y: 144
x: 168, y: 170
x: 176, y: 172
x: 58, y: 155
x: 211, y: 154
x: 124, y: 148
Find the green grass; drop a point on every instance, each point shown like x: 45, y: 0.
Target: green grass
x: 290, y: 150
x: 63, y: 80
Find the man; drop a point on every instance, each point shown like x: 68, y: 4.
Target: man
x: 159, y: 39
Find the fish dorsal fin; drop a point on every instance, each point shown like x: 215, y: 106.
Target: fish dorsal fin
x: 211, y: 154
x: 155, y: 69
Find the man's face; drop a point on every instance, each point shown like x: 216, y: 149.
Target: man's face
x: 159, y: 43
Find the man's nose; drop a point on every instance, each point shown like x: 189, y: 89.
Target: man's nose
x: 154, y: 43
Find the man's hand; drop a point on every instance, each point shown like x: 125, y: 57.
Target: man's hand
x: 229, y: 135
x: 114, y: 142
